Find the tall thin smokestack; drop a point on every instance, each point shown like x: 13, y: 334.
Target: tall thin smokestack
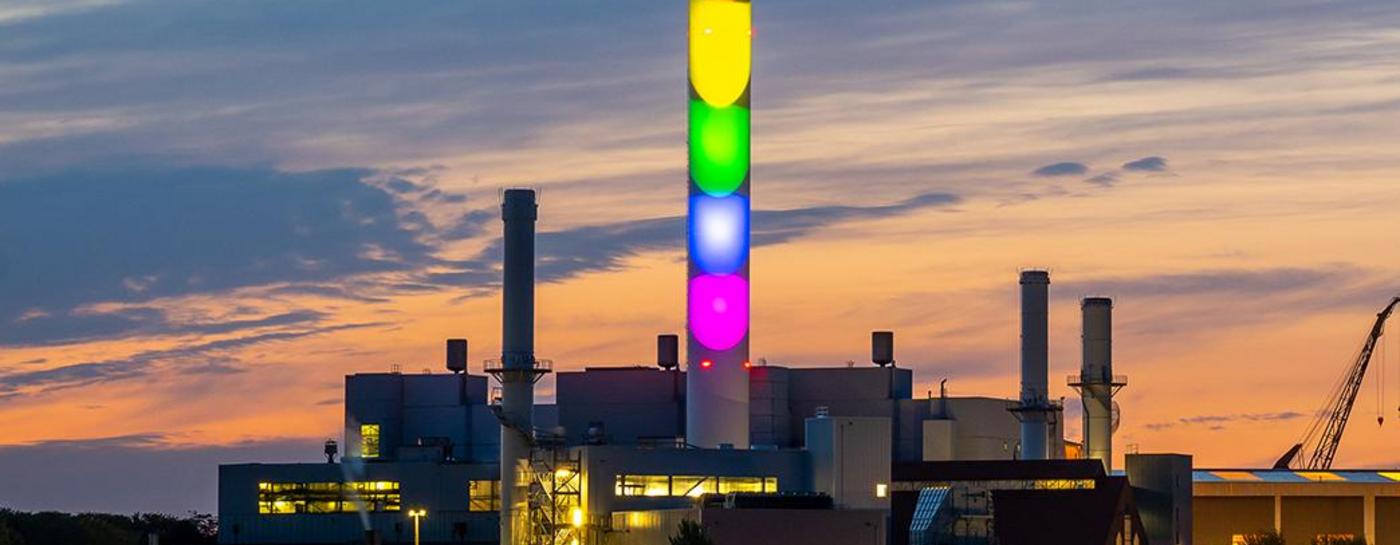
x: 1097, y: 385
x: 717, y: 290
x: 1035, y: 407
x: 517, y: 372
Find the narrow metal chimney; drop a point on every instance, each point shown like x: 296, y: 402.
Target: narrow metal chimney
x: 1096, y: 383
x: 1035, y: 409
x: 517, y: 372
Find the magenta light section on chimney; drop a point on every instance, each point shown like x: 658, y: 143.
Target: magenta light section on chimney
x: 719, y: 310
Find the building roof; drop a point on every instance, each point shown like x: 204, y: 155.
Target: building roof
x: 988, y: 470
x: 1291, y: 476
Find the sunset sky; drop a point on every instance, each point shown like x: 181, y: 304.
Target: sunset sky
x: 210, y: 212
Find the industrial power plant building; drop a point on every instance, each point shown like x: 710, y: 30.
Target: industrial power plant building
x: 756, y: 453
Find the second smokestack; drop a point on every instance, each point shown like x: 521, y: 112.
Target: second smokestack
x: 1097, y: 384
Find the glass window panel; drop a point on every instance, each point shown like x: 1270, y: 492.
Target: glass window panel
x: 692, y: 485
x: 327, y: 497
x: 484, y: 496
x: 728, y: 485
x: 369, y: 440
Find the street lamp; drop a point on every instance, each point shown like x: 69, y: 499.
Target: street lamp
x: 417, y: 515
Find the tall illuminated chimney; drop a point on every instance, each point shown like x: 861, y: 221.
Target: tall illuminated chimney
x: 517, y: 371
x: 717, y: 314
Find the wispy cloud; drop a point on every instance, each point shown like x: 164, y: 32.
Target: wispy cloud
x: 1221, y: 421
x: 1146, y: 164
x: 1068, y: 168
x: 206, y: 357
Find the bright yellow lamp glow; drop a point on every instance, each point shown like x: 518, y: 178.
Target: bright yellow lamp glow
x: 720, y: 54
x: 577, y: 517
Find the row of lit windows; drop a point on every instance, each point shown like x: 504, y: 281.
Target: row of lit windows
x: 328, y: 497
x: 690, y: 485
x: 376, y: 496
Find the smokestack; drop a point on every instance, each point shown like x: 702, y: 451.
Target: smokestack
x: 517, y: 372
x: 1035, y: 408
x: 717, y: 288
x: 1097, y: 384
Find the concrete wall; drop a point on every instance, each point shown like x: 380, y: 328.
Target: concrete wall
x: 1216, y: 519
x: 1387, y: 521
x: 753, y: 526
x: 632, y: 402
x: 849, y: 457
x: 770, y: 416
x: 1305, y: 508
x: 409, y: 407
x: 845, y: 391
x: 1305, y: 517
x: 808, y: 527
x: 1162, y: 489
x: 648, y: 527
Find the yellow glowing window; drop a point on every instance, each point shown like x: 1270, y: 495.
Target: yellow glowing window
x: 643, y: 485
x: 1063, y: 484
x: 369, y: 440
x: 484, y: 496
x: 740, y: 484
x: 691, y: 485
x: 327, y: 497
x: 720, y: 52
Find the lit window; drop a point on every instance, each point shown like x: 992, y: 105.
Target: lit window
x: 882, y: 490
x: 691, y: 485
x: 484, y: 496
x: 1063, y: 484
x: 740, y: 484
x: 369, y: 440
x: 643, y: 485
x: 327, y: 497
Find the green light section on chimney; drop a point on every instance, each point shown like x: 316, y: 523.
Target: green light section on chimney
x: 719, y: 147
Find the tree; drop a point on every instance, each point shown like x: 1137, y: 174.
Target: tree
x: 8, y: 535
x: 691, y: 533
x: 1264, y: 538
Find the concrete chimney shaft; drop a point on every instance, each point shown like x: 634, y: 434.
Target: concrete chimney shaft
x: 1035, y: 408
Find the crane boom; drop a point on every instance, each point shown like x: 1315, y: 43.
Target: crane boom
x: 1338, y: 409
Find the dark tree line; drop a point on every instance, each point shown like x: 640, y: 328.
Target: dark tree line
x: 49, y: 528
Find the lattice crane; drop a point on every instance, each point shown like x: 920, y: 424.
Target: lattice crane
x: 1319, y: 445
